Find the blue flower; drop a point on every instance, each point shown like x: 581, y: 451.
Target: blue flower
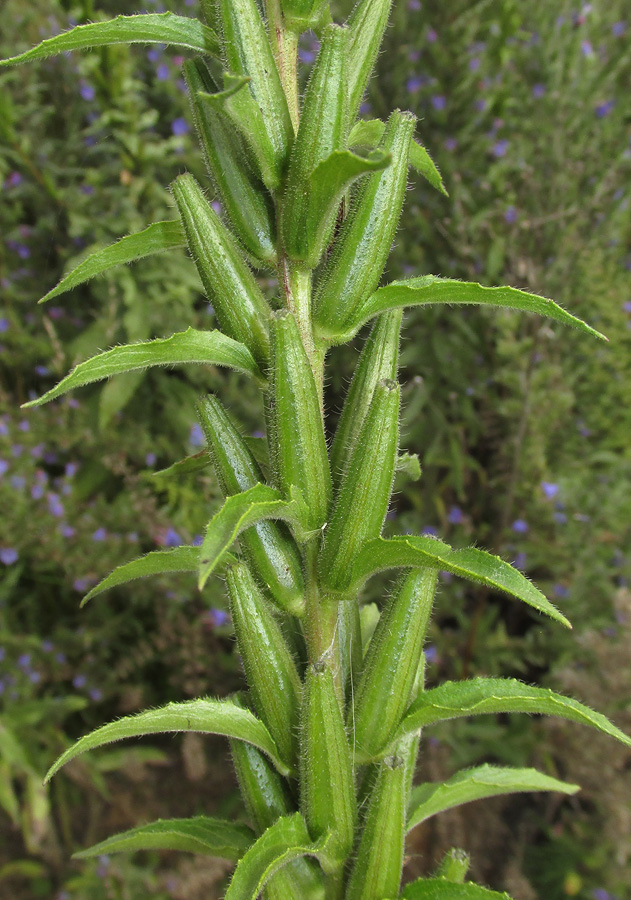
x: 162, y: 72
x: 150, y: 459
x: 603, y: 109
x: 520, y: 526
x: 455, y: 515
x: 179, y: 127
x: 549, y: 489
x: 618, y: 29
x: 538, y: 90
x: 500, y: 148
x: 100, y: 534
x: 8, y: 555
x: 4, y: 466
x: 510, y: 215
x: 79, y: 681
x: 87, y: 91
x: 439, y: 101
x: 172, y: 538
x: 196, y: 437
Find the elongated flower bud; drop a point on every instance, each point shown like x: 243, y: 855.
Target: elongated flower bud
x: 244, y: 198
x: 362, y: 249
x: 240, y: 307
x: 378, y: 864
x: 267, y: 798
x: 362, y: 501
x: 350, y: 644
x: 248, y: 53
x: 392, y: 662
x: 379, y: 359
x: 270, y: 670
x: 367, y: 24
x: 298, y: 439
x: 268, y: 546
x: 326, y: 774
x: 323, y: 128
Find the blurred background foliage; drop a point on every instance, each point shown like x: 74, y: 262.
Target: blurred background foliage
x: 522, y: 429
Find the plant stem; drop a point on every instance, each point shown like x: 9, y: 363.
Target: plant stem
x: 285, y: 47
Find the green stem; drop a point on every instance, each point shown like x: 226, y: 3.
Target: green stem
x: 285, y: 47
x: 334, y: 886
x: 297, y: 289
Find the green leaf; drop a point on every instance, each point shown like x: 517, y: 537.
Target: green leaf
x: 478, y: 696
x: 433, y: 289
x: 402, y: 552
x: 368, y: 133
x: 187, y: 466
x: 154, y: 28
x: 408, y: 464
x: 284, y: 841
x: 204, y: 715
x: 201, y: 834
x: 154, y: 239
x: 211, y: 348
x: 241, y: 511
x: 425, y: 166
x: 476, y: 784
x: 158, y: 562
x: 441, y: 889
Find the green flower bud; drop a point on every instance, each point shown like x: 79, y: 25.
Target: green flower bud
x: 326, y: 772
x: 270, y: 670
x: 364, y: 243
x: 267, y: 798
x: 378, y: 864
x: 362, y: 502
x: 323, y: 128
x: 367, y: 24
x: 240, y: 307
x: 392, y: 662
x: 268, y: 546
x: 379, y: 359
x: 244, y: 198
x: 297, y: 432
x: 248, y: 53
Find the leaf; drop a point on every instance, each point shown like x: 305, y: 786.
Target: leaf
x: 284, y: 841
x: 403, y: 552
x: 154, y: 28
x: 201, y: 834
x: 154, y: 239
x: 187, y: 466
x: 368, y: 133
x: 158, y: 562
x: 204, y: 715
x: 441, y: 889
x: 241, y: 511
x: 425, y: 166
x: 211, y: 348
x: 476, y: 784
x: 329, y: 180
x: 478, y: 696
x: 408, y: 464
x: 433, y: 289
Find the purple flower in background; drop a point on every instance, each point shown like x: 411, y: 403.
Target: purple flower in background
x: 217, y: 617
x: 16, y: 449
x: 70, y: 469
x: 432, y: 37
x: 549, y: 489
x: 538, y: 91
x: 520, y: 526
x: 24, y: 425
x: 414, y: 5
x: 586, y: 48
x: 450, y: 144
x: 455, y: 515
x: 18, y: 482
x: 66, y: 531
x: 430, y: 531
x: 560, y: 518
x: 618, y: 29
x: 415, y: 84
x: 154, y: 54
x: 4, y: 326
x: 510, y: 215
x: 439, y: 101
x: 179, y: 127
x: 100, y: 534
x: 35, y: 677
x: 95, y: 694
x: 13, y: 180
x: 48, y: 646
x: 196, y: 437
x: 162, y: 72
x: 474, y: 64
x: 172, y: 538
x: 520, y: 561
x: 560, y: 590
x: 87, y: 91
x: 41, y: 370
x: 627, y: 306
x: 500, y: 148
x: 37, y: 491
x: 431, y: 654
x: 79, y: 681
x: 198, y: 540
x: 55, y: 506
x: 4, y: 466
x: 150, y: 459
x: 602, y: 894
x: 603, y: 109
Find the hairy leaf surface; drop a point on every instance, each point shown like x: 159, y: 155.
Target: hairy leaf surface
x: 441, y: 889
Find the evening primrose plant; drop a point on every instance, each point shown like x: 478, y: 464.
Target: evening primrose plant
x: 324, y: 741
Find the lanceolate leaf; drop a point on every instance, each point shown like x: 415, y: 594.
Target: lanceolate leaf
x: 205, y: 716
x: 154, y: 28
x: 476, y: 784
x: 287, y: 839
x: 441, y: 889
x: 154, y: 239
x: 159, y: 562
x: 239, y: 512
x: 433, y: 289
x: 368, y: 133
x: 211, y: 348
x: 187, y: 466
x: 403, y: 552
x: 477, y: 696
x: 202, y: 834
